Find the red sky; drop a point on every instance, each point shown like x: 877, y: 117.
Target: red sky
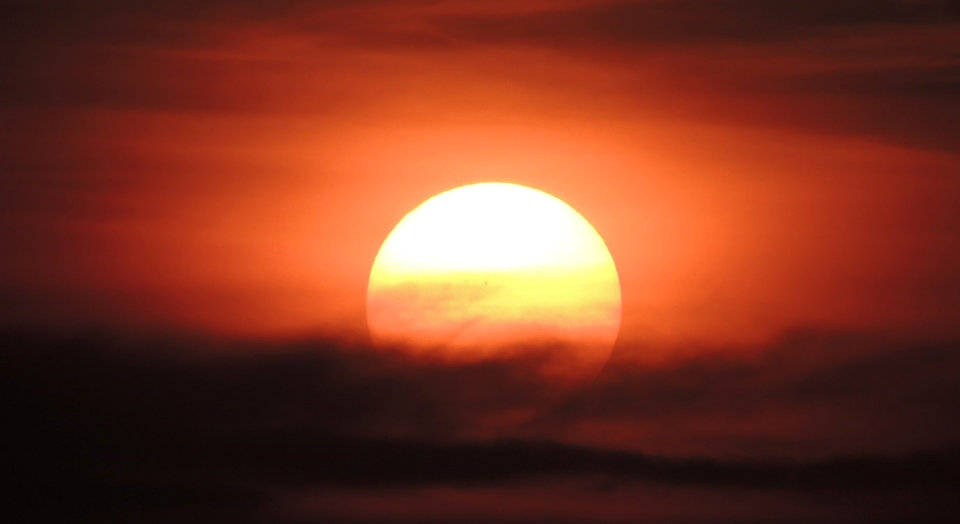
x: 236, y: 167
x: 777, y: 183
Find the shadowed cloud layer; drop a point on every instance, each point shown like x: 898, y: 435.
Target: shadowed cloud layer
x: 188, y: 426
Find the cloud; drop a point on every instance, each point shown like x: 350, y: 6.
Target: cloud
x: 686, y: 22
x: 622, y: 24
x: 878, y: 69
x: 207, y: 427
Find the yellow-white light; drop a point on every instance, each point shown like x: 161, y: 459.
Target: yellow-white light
x: 488, y: 268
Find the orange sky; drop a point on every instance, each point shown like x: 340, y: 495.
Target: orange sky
x: 237, y: 171
x: 192, y: 194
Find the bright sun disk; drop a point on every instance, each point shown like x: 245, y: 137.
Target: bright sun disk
x: 490, y: 269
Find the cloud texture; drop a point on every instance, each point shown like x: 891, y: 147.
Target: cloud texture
x: 147, y: 428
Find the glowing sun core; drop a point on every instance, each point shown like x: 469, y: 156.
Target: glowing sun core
x: 487, y: 268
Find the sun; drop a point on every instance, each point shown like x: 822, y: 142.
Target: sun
x: 492, y: 270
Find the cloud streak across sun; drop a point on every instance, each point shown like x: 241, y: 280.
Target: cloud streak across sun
x: 489, y: 266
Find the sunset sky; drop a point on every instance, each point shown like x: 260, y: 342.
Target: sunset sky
x: 193, y: 194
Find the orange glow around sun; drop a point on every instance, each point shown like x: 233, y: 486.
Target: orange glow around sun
x: 487, y: 269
